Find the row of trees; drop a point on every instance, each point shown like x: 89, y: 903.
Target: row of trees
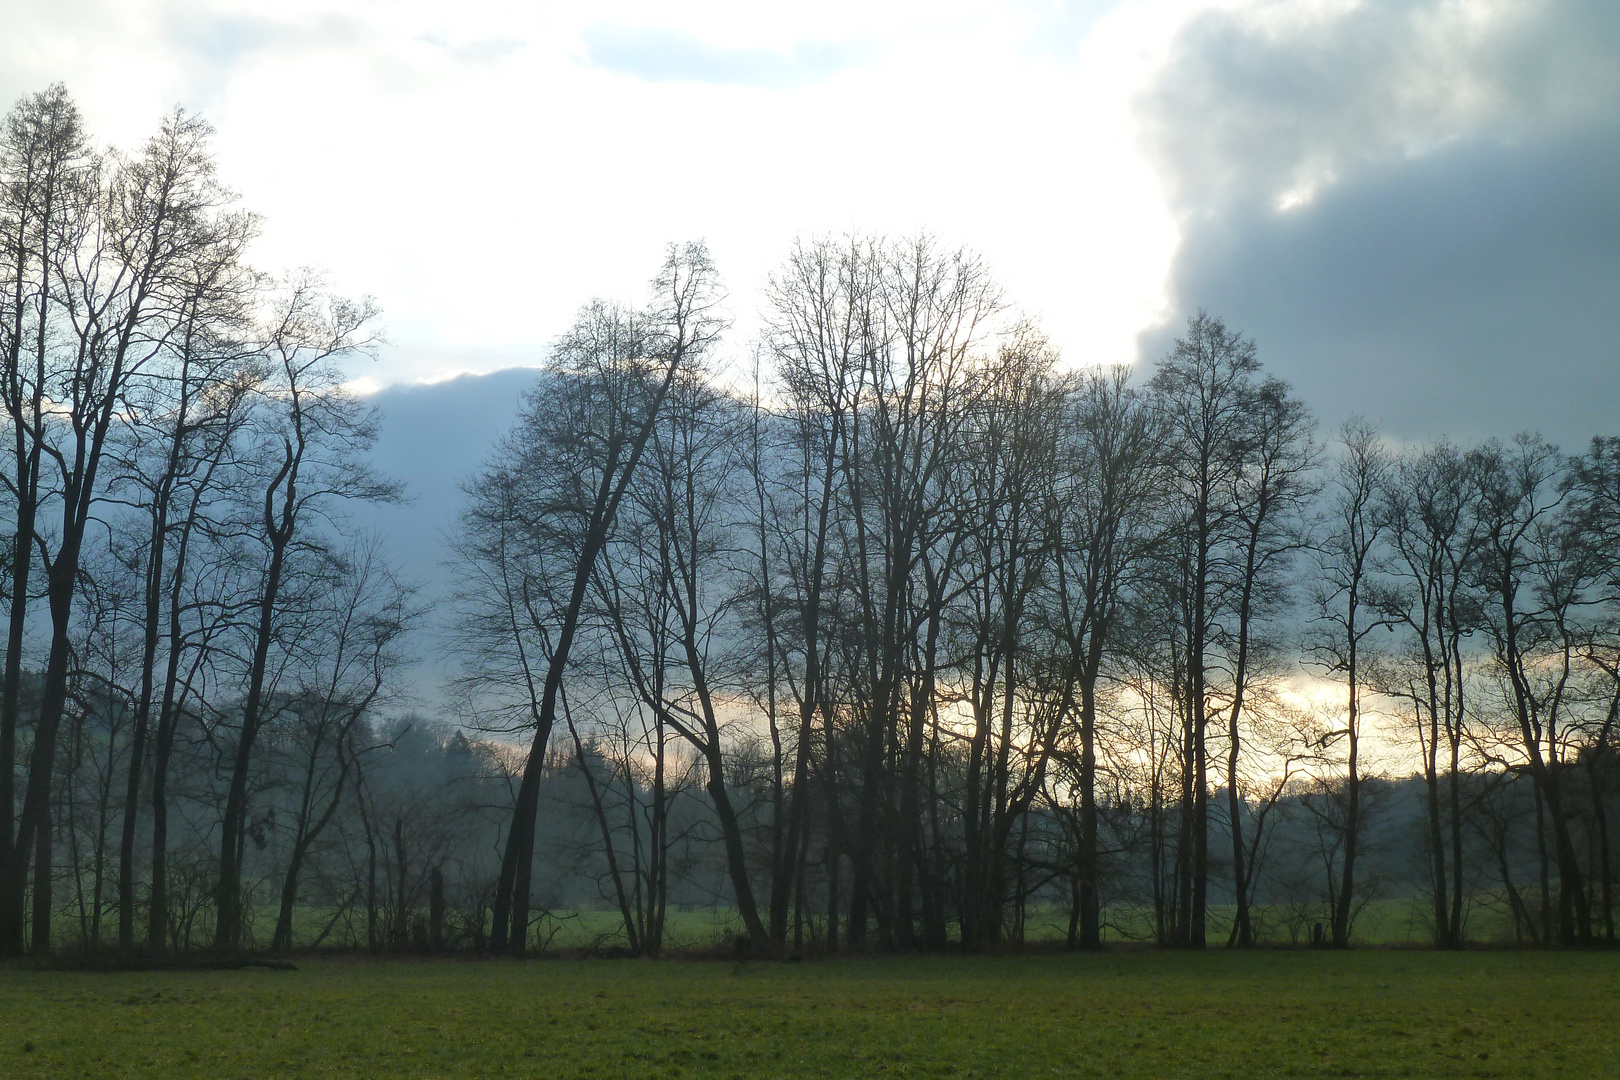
x: 911, y: 634
x: 947, y: 627
x: 178, y: 445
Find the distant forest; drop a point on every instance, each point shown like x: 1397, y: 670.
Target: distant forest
x: 886, y: 631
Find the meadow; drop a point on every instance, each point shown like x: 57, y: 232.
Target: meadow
x: 1402, y: 921
x: 1265, y: 1013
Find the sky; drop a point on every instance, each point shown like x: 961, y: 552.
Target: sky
x: 1409, y: 204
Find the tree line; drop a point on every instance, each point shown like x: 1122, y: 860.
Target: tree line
x: 888, y: 638
x: 178, y: 448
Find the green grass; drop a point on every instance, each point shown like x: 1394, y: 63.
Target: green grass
x: 1394, y: 921
x: 683, y: 929
x: 1398, y: 921
x: 1125, y: 1014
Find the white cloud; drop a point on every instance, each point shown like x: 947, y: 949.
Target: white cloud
x: 482, y: 171
x: 486, y: 166
x: 1274, y: 101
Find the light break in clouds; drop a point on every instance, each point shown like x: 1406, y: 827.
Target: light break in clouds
x: 485, y: 168
x: 1408, y: 203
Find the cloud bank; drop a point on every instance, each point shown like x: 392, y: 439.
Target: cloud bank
x: 1408, y: 203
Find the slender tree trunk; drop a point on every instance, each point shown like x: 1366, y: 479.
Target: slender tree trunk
x: 510, y: 931
x: 12, y: 861
x: 436, y: 911
x: 1352, y: 821
x: 1600, y: 819
x: 1242, y: 931
x: 33, y: 827
x: 228, y: 894
x: 308, y: 831
x: 632, y: 936
x: 1086, y: 898
x: 1435, y: 822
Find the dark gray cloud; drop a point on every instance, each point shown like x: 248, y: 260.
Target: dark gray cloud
x: 1452, y: 265
x: 662, y: 55
x: 432, y: 438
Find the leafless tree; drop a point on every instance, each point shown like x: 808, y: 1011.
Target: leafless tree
x: 567, y: 469
x: 1350, y: 609
x: 44, y: 157
x: 120, y: 258
x: 311, y: 435
x: 1111, y: 491
x: 357, y: 646
x: 1239, y: 448
x: 1436, y: 539
x: 1535, y: 575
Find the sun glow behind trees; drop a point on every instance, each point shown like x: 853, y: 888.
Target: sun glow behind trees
x: 913, y: 632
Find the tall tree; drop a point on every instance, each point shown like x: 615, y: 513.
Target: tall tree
x: 44, y: 156
x: 182, y: 420
x: 312, y: 438
x: 822, y: 322
x: 914, y: 384
x: 1006, y: 533
x: 676, y: 538
x: 1436, y: 539
x: 1205, y: 390
x: 1535, y: 574
x: 1269, y: 493
x: 138, y: 226
x: 575, y: 454
x: 1110, y: 494
x: 1350, y: 608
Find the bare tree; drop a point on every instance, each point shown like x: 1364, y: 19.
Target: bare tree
x: 1238, y: 447
x: 573, y: 458
x: 356, y: 640
x: 1436, y: 540
x: 117, y: 276
x: 1004, y: 537
x: 1269, y: 495
x: 1350, y: 608
x: 312, y: 435
x: 44, y: 154
x: 913, y: 387
x: 822, y: 323
x: 681, y: 562
x: 1535, y: 574
x: 182, y: 420
x: 1110, y: 493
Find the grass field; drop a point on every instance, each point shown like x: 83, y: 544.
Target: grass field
x: 1403, y: 921
x: 1400, y: 921
x: 1124, y: 1014
x: 1392, y: 921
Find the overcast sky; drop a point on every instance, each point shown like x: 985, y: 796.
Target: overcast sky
x: 1410, y: 204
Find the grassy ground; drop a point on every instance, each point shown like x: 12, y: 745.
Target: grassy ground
x: 1403, y: 921
x: 1398, y: 921
x: 1132, y: 1014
